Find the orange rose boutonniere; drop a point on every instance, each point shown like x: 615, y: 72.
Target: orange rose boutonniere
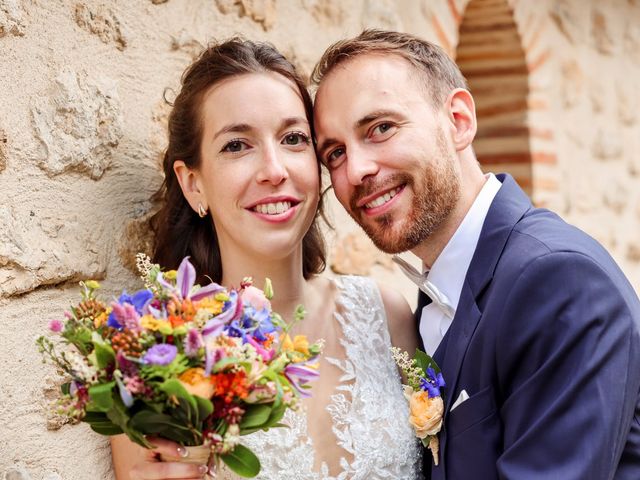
x: 426, y: 405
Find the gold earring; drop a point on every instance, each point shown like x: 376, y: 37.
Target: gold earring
x: 201, y: 211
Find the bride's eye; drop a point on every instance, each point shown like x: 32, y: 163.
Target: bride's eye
x: 295, y: 138
x: 234, y: 146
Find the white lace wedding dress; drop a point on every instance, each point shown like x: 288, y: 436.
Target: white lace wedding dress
x: 368, y: 411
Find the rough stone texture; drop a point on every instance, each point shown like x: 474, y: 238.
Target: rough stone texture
x: 568, y: 17
x: 11, y: 18
x: 85, y: 127
x: 79, y: 123
x: 30, y: 257
x: 607, y: 144
x: 102, y: 22
x: 137, y: 238
x: 260, y: 11
x: 601, y: 32
x: 3, y: 150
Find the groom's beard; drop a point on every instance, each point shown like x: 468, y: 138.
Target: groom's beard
x: 435, y: 194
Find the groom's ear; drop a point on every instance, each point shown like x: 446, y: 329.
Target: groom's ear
x: 461, y: 112
x: 189, y: 181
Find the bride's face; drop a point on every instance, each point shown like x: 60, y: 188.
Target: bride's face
x: 258, y: 171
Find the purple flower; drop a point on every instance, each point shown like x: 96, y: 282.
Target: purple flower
x: 185, y: 280
x: 55, y: 326
x: 299, y: 375
x: 193, y: 343
x: 432, y: 383
x: 125, y: 395
x: 161, y: 354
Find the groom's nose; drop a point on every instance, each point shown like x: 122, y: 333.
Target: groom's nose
x: 360, y: 164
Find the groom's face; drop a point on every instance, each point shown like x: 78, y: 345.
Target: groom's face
x: 388, y: 149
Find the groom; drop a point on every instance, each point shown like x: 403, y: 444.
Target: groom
x: 534, y: 326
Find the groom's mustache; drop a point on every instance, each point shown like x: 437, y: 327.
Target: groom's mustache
x: 372, y: 185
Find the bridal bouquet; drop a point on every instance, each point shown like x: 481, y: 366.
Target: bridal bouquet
x: 200, y: 366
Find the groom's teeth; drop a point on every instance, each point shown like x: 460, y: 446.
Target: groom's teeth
x: 382, y: 199
x: 272, y: 208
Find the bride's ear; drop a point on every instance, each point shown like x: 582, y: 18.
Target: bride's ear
x: 189, y: 181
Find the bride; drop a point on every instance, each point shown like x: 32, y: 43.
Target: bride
x: 242, y: 197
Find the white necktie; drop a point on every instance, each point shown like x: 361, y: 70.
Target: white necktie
x: 420, y: 279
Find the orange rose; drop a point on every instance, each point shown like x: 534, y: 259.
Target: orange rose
x: 425, y: 413
x: 196, y: 383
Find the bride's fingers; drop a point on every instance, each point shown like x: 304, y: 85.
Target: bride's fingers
x: 168, y: 470
x: 167, y: 448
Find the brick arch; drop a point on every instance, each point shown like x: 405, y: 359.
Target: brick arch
x: 491, y: 55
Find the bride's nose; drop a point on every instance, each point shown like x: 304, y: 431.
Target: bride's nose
x: 272, y: 168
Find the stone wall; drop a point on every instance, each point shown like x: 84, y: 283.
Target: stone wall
x: 82, y: 129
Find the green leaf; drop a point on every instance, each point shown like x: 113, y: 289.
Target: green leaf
x: 173, y: 387
x: 242, y: 461
x: 255, y: 416
x: 205, y: 407
x: 104, y: 354
x: 106, y: 429
x: 424, y: 361
x: 101, y: 396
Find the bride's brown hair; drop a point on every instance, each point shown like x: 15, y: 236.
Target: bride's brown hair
x: 179, y: 231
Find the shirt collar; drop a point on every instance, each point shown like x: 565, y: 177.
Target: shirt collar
x: 450, y: 268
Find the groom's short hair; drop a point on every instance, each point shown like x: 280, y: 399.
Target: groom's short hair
x: 440, y: 73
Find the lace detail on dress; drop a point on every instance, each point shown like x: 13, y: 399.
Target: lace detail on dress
x: 365, y: 408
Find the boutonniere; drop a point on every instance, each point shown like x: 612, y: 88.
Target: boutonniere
x: 423, y: 391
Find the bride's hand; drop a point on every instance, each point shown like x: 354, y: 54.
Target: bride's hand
x: 149, y: 466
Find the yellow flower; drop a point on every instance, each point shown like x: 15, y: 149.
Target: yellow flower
x: 425, y: 413
x: 196, y: 383
x: 299, y: 347
x: 100, y: 319
x: 92, y: 284
x: 154, y: 324
x: 214, y: 307
x: 170, y: 275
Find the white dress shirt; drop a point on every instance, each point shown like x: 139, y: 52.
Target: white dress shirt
x: 449, y: 270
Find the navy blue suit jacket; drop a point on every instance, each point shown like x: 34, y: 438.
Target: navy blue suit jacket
x: 546, y: 342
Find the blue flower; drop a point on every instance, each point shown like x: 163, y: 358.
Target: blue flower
x: 432, y: 383
x: 138, y: 300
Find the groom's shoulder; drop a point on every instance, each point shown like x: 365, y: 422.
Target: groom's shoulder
x: 542, y: 236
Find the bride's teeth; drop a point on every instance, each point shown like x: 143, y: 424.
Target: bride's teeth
x: 273, y: 208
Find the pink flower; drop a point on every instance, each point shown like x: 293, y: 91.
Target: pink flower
x: 255, y: 297
x: 55, y: 326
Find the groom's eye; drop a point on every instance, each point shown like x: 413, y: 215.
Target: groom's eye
x: 334, y: 155
x: 381, y: 128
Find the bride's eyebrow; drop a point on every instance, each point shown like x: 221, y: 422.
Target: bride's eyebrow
x: 233, y: 128
x: 291, y: 121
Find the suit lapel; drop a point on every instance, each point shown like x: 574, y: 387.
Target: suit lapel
x: 508, y: 207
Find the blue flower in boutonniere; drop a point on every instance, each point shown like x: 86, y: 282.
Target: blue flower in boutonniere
x: 426, y: 405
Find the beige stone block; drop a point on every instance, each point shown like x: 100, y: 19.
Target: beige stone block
x: 3, y: 150
x: 570, y: 18
x: 260, y: 11
x: 78, y: 122
x: 633, y: 252
x: 627, y: 100
x: 607, y: 144
x: 47, y: 252
x: 616, y: 196
x: 632, y: 41
x: 601, y: 32
x: 186, y: 42
x: 102, y: 22
x: 573, y: 83
x: 356, y: 254
x: 326, y: 12
x: 380, y: 14
x: 11, y: 18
